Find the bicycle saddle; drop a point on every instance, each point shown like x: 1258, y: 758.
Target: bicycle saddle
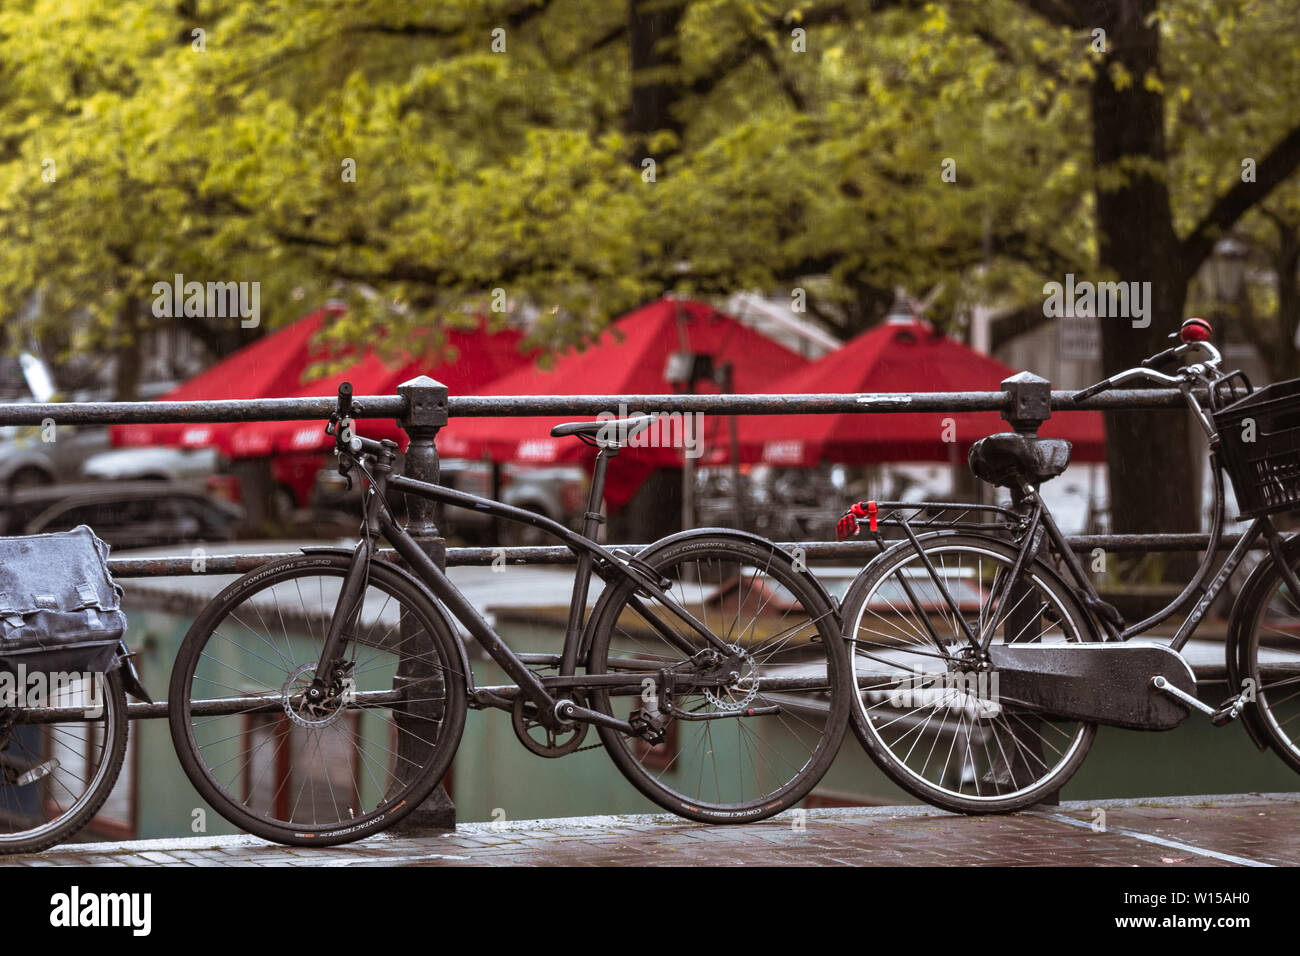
x: 1009, y: 459
x: 611, y: 431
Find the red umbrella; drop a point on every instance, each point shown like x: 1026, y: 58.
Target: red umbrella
x: 467, y: 360
x: 270, y: 367
x: 630, y: 357
x: 897, y: 356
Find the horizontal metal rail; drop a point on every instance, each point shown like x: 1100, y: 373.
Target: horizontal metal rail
x: 474, y: 406
x: 559, y: 555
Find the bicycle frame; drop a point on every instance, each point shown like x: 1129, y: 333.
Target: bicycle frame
x: 1035, y: 515
x: 591, y: 557
x: 1039, y: 515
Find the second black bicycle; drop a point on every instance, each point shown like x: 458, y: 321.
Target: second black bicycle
x: 321, y: 697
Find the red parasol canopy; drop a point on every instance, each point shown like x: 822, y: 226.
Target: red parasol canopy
x: 270, y: 367
x: 906, y: 356
x: 467, y: 360
x: 631, y: 357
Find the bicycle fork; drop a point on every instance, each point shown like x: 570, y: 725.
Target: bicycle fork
x: 346, y: 609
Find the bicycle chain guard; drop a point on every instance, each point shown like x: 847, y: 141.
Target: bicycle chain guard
x: 1100, y: 683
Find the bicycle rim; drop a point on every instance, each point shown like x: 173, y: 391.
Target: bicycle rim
x: 1274, y: 665
x: 937, y: 726
x: 54, y: 777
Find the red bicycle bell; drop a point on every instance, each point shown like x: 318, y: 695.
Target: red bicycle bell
x: 1195, y: 330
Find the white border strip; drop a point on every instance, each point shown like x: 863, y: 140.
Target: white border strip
x: 1150, y: 838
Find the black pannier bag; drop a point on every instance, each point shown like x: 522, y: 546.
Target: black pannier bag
x: 59, y: 609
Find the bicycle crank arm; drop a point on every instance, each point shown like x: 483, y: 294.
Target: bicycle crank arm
x: 1163, y: 685
x: 568, y: 710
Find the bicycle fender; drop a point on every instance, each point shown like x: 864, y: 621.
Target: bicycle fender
x: 382, y: 565
x: 130, y: 674
x: 1235, y: 646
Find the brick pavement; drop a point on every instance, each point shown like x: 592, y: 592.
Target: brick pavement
x: 1238, y: 830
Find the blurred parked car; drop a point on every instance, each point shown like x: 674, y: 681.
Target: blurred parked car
x: 151, y: 464
x: 128, y: 514
x: 559, y: 493
x: 28, y: 461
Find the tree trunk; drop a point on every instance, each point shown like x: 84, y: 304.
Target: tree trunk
x: 128, y: 352
x: 1283, y: 359
x: 1148, y: 452
x: 657, y: 80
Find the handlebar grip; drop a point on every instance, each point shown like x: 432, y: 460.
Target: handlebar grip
x: 1160, y: 358
x: 1091, y: 390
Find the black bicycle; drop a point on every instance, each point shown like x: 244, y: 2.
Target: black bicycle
x: 321, y: 697
x: 985, y: 657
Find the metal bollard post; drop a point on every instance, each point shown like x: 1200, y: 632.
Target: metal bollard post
x: 426, y: 413
x: 1031, y: 405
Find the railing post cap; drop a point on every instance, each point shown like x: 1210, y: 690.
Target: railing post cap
x: 1023, y: 378
x: 1031, y: 401
x: 426, y: 402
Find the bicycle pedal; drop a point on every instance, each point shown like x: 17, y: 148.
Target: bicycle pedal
x: 650, y: 727
x: 1228, y: 712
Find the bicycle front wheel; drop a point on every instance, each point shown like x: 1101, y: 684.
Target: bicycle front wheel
x: 55, y: 776
x: 756, y: 745
x: 933, y: 722
x: 1267, y: 628
x: 334, y: 771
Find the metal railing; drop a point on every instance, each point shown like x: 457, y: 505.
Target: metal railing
x: 422, y: 407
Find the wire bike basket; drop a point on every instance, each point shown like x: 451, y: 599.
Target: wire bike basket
x: 1259, y: 437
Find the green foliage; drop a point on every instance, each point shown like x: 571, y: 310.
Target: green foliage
x: 478, y: 170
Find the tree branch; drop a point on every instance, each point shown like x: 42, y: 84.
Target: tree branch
x: 1065, y: 13
x: 1271, y: 171
x: 516, y: 18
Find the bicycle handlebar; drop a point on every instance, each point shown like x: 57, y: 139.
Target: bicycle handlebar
x: 345, y: 437
x: 1194, y: 335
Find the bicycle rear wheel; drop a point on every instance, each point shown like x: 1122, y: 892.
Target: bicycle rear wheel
x: 54, y: 777
x: 757, y: 745
x: 316, y: 775
x: 930, y: 720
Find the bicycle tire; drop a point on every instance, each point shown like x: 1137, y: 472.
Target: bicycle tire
x: 406, y: 780
x: 813, y: 644
x: 935, y: 696
x: 82, y: 811
x: 1266, y: 609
